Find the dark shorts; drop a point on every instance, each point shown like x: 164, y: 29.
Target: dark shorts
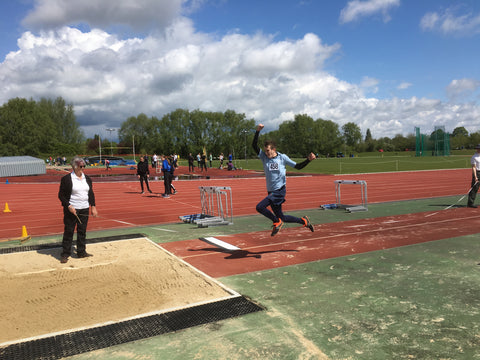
x: 277, y: 197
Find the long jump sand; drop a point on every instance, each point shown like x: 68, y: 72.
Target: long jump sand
x: 122, y: 280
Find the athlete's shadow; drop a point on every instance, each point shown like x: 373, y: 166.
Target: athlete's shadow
x: 241, y: 254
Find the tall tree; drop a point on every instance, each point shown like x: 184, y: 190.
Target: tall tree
x: 351, y: 134
x: 369, y: 142
x: 62, y: 115
x: 459, y: 138
x: 18, y: 127
x: 328, y: 136
x: 368, y: 136
x: 459, y: 131
x: 31, y: 128
x: 135, y: 130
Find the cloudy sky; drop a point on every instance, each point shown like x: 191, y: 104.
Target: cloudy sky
x: 387, y: 65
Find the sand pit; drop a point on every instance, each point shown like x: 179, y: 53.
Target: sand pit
x: 123, y: 280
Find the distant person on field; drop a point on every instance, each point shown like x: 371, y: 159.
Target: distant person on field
x: 143, y: 173
x: 167, y: 176
x: 203, y: 162
x: 175, y: 160
x: 220, y: 157
x: 172, y: 174
x: 191, y: 166
x: 275, y: 173
x: 475, y: 161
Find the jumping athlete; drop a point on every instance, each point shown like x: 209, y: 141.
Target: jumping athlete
x: 275, y: 173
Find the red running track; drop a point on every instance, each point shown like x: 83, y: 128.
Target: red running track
x: 36, y: 206
x: 259, y: 251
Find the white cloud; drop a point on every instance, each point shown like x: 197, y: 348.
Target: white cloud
x: 109, y: 79
x: 462, y: 88
x: 404, y: 86
x: 370, y: 84
x: 138, y: 14
x: 450, y: 22
x: 357, y: 9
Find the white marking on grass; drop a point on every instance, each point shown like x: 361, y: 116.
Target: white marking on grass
x: 219, y: 243
x: 168, y: 230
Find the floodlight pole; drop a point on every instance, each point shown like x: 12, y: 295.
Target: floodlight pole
x: 245, y: 134
x: 133, y: 148
x: 111, y: 147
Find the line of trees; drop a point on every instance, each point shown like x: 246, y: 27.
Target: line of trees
x: 184, y: 132
x: 29, y: 127
x: 49, y: 127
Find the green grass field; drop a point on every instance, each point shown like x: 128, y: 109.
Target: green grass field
x: 368, y: 163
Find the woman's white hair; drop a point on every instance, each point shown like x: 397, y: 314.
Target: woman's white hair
x: 77, y: 161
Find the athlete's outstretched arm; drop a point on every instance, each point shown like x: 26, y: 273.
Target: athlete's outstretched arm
x: 255, y: 139
x: 304, y: 163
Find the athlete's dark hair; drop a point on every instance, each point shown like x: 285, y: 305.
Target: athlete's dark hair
x: 270, y: 143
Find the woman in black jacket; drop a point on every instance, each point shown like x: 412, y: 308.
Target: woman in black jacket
x: 77, y: 197
x: 143, y: 173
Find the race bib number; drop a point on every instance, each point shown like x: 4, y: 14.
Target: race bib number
x: 273, y: 166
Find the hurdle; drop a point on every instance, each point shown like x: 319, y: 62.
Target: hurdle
x: 217, y: 207
x: 363, y: 190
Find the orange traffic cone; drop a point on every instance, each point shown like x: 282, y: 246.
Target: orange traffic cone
x: 24, y: 231
x: 6, y: 208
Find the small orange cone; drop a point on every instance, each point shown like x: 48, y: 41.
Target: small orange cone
x: 24, y: 231
x: 6, y: 208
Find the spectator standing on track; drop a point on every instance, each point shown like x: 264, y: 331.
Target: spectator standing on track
x: 230, y: 162
x: 143, y: 173
x: 167, y: 176
x: 154, y: 161
x: 203, y: 162
x: 191, y: 166
x: 475, y: 161
x: 77, y: 198
x: 220, y: 157
x: 172, y: 176
x: 199, y: 159
x: 275, y: 173
x: 175, y: 160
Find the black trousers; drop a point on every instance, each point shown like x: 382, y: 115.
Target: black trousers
x: 473, y: 192
x: 142, y: 179
x: 167, y: 182
x: 70, y: 221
